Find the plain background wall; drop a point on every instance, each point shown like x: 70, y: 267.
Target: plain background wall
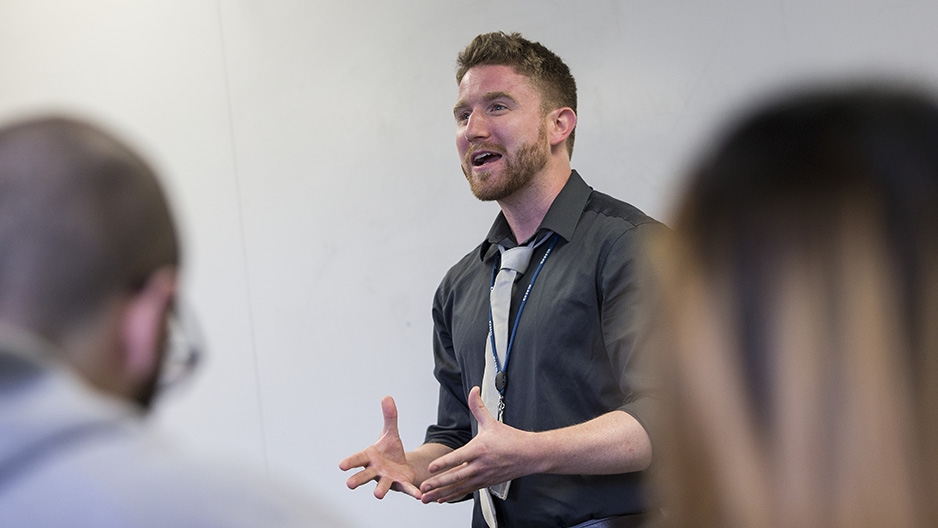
x: 308, y: 148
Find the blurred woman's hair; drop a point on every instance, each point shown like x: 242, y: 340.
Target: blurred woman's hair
x: 799, y: 319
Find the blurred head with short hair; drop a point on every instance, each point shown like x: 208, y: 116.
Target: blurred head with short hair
x: 88, y: 280
x: 89, y: 251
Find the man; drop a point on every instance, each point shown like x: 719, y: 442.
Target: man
x: 570, y: 444
x: 88, y: 275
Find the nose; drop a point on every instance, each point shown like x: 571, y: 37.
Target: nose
x: 476, y: 126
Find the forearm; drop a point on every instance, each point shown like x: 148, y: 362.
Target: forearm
x: 611, y: 443
x: 420, y: 458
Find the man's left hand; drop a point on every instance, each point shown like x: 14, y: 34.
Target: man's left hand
x: 495, y: 455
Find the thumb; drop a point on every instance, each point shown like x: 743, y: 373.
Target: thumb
x: 478, y: 408
x: 389, y: 409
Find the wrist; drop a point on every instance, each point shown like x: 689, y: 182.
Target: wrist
x: 535, y: 452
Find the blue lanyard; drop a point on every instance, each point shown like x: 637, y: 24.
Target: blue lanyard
x: 500, y: 368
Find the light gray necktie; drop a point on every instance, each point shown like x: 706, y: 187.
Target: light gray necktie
x: 514, y: 262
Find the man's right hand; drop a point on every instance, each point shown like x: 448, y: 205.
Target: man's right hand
x: 384, y: 461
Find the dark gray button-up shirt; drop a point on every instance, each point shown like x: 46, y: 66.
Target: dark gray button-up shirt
x: 574, y: 354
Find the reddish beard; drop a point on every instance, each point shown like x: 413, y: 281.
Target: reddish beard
x: 520, y: 169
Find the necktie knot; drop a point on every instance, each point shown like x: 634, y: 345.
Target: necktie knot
x: 516, y: 258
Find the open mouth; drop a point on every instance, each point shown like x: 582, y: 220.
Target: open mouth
x: 483, y: 158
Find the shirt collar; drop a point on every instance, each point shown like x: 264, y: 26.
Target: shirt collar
x: 561, y: 217
x: 21, y: 347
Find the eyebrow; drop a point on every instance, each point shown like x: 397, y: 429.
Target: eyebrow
x: 487, y: 97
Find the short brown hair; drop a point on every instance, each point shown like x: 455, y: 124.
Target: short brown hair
x: 550, y: 75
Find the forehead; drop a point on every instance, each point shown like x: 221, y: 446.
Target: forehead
x: 489, y: 79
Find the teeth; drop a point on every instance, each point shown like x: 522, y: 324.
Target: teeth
x: 479, y: 159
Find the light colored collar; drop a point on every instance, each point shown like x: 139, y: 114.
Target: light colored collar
x: 26, y: 344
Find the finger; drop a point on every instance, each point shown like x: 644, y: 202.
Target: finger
x: 408, y: 488
x: 477, y: 406
x: 454, y: 493
x: 360, y: 478
x: 359, y: 459
x: 381, y: 489
x: 449, y: 493
x: 449, y: 461
x: 389, y: 409
x: 450, y: 477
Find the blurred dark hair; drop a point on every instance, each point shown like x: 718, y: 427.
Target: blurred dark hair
x: 801, y: 283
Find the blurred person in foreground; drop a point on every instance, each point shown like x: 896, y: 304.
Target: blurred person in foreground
x: 88, y: 278
x: 799, y: 354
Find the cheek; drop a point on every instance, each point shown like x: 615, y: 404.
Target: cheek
x: 461, y: 144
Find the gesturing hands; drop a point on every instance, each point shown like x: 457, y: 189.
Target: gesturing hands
x: 614, y: 442
x: 495, y: 455
x: 385, y: 460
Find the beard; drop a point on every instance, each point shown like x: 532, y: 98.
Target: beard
x: 146, y: 392
x: 519, y: 170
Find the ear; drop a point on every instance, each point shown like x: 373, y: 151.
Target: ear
x: 560, y: 125
x: 143, y: 326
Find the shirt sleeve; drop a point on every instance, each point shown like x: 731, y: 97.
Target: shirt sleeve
x: 626, y: 310
x: 454, y: 426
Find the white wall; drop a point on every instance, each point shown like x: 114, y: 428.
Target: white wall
x: 308, y: 150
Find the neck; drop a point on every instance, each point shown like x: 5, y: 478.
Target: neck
x: 525, y: 209
x: 524, y: 221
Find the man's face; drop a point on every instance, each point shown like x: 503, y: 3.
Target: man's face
x: 501, y: 134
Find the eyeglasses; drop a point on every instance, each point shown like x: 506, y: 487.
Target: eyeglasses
x: 182, y: 349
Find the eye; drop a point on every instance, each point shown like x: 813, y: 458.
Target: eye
x: 461, y: 115
x: 498, y: 107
